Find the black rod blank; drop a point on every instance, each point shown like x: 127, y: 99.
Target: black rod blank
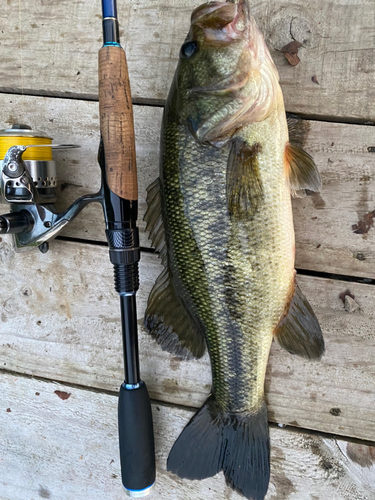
x: 130, y: 339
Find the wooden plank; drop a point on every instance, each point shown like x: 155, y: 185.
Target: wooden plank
x: 58, y: 48
x: 59, y: 449
x: 59, y: 319
x: 325, y: 240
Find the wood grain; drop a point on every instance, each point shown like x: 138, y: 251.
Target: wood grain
x: 61, y: 320
x: 59, y: 449
x: 59, y: 313
x: 60, y: 56
x: 325, y: 240
x: 117, y: 123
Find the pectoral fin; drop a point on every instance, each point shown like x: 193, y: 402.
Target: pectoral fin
x: 166, y: 318
x: 244, y: 184
x: 299, y: 331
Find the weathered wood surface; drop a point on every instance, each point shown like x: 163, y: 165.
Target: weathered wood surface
x: 325, y: 240
x: 59, y: 313
x: 60, y: 449
x: 59, y: 319
x: 60, y: 44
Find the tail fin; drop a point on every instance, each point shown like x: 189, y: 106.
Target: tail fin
x: 238, y: 444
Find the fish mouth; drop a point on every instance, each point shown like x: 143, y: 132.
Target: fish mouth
x: 222, y: 21
x: 250, y: 89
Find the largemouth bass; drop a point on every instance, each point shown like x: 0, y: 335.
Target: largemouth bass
x: 220, y: 215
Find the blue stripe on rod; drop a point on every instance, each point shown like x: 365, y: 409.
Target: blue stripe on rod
x: 109, y: 8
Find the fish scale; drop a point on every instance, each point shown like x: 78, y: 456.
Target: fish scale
x: 239, y: 357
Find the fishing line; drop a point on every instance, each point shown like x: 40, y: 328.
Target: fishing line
x: 37, y: 154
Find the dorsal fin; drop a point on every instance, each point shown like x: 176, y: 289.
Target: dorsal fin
x: 298, y: 129
x: 301, y: 170
x: 154, y: 220
x: 166, y: 318
x: 300, y: 166
x: 244, y: 185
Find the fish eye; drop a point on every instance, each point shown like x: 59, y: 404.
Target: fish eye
x: 188, y: 49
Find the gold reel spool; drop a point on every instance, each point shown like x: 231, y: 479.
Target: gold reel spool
x: 38, y: 160
x: 23, y: 135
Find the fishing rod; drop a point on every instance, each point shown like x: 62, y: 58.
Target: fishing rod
x: 120, y: 203
x: 28, y: 182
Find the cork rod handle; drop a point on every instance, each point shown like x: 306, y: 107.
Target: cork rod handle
x: 116, y: 123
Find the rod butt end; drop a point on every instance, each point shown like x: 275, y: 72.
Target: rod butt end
x: 139, y: 493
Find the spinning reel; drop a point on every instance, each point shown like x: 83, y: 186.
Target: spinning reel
x: 28, y: 182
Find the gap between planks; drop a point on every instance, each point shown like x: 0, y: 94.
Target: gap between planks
x: 160, y: 103
x: 193, y: 409
x: 301, y: 272
x: 337, y: 39
x: 51, y: 94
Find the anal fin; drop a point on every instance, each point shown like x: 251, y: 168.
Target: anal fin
x: 166, y: 318
x: 299, y: 331
x: 168, y: 322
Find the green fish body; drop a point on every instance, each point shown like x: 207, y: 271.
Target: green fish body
x: 220, y: 214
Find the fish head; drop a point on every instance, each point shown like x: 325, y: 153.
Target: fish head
x: 225, y: 78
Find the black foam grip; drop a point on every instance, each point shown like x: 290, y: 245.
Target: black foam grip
x: 136, y: 434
